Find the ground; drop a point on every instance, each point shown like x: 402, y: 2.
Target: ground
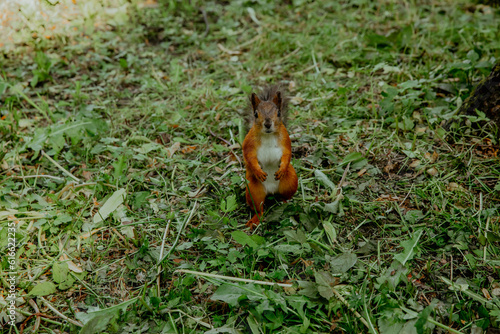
x: 122, y: 185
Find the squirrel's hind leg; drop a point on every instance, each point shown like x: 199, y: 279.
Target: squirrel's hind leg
x: 255, y: 196
x: 288, y: 184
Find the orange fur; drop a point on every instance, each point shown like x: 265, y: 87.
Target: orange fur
x: 268, y: 129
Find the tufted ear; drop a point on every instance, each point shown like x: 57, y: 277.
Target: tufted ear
x: 277, y: 101
x: 255, y: 104
x: 255, y: 101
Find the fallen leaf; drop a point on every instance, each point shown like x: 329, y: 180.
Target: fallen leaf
x: 111, y: 205
x: 296, y: 100
x: 435, y: 156
x: 229, y: 52
x: 291, y: 86
x: 197, y: 193
x: 188, y: 149
x: 453, y: 186
x: 172, y: 149
x: 421, y: 129
x: 432, y: 171
x: 431, y: 157
x: 390, y: 166
x: 415, y: 163
x: 362, y: 172
x: 71, y: 265
x: 486, y: 294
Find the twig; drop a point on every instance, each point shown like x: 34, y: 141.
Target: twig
x: 306, y: 69
x: 226, y: 50
x: 485, y: 237
x: 346, y: 303
x: 39, y: 176
x: 179, y: 234
x: 237, y: 279
x: 404, y: 199
x: 37, y: 311
x: 60, y: 167
x: 207, y: 325
x: 280, y: 60
x: 161, y: 255
x: 339, y: 187
x: 285, y: 285
x: 74, y: 322
x: 248, y: 42
x: 213, y: 134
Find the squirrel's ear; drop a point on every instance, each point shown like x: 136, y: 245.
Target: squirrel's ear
x: 277, y: 100
x: 255, y: 101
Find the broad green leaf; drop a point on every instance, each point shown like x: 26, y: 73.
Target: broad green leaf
x: 392, y: 275
x: 97, y: 321
x: 111, y: 205
x: 321, y: 177
x: 342, y: 263
x: 423, y: 316
x: 413, y: 216
x: 462, y: 286
x: 325, y: 282
x: 229, y: 294
x: 330, y: 233
x: 352, y: 157
x: 229, y: 204
x: 243, y: 239
x: 43, y: 289
x: 63, y: 218
x: 148, y: 147
x: 285, y: 248
x: 295, y: 235
x: 252, y: 323
x: 60, y: 272
x: 409, y: 248
x: 264, y: 306
x: 333, y: 207
x: 308, y: 289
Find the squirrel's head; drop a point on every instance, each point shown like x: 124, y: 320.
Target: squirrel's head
x: 268, y: 115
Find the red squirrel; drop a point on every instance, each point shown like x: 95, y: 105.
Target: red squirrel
x: 267, y: 151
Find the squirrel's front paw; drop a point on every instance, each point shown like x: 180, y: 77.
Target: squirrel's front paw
x: 261, y: 176
x: 279, y: 174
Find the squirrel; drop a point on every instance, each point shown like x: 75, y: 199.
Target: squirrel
x: 267, y: 152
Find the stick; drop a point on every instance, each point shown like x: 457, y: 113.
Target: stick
x: 346, y: 303
x: 39, y: 176
x: 179, y: 234
x: 60, y: 167
x: 74, y: 322
x: 237, y: 279
x: 161, y: 255
x: 37, y: 311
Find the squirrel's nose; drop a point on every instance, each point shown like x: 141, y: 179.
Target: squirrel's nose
x: 267, y: 125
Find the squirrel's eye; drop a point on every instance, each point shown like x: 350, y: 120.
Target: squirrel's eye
x: 279, y: 113
x: 256, y: 114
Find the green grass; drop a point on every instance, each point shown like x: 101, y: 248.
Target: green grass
x: 152, y: 113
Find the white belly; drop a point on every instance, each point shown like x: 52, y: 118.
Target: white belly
x: 269, y: 157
